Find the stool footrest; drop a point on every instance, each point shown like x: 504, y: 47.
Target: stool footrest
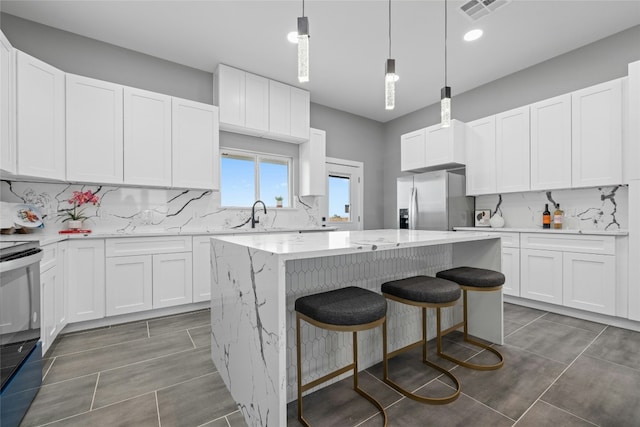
x: 325, y: 378
x: 430, y: 400
x: 476, y: 366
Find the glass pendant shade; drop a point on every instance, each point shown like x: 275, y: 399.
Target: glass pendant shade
x: 445, y: 107
x: 390, y: 85
x: 303, y: 49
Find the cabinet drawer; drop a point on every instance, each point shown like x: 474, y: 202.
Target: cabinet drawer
x: 603, y: 245
x: 147, y: 245
x: 49, y: 257
x: 510, y: 240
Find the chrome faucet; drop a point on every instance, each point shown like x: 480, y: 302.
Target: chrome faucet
x: 255, y: 221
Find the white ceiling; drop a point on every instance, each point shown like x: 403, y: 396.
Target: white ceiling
x: 349, y: 40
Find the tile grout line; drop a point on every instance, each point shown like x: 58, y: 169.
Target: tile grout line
x: 148, y: 331
x: 157, y: 408
x: 567, y: 412
x: 49, y: 368
x: 526, y: 324
x: 560, y: 375
x: 191, y: 338
x: 95, y: 389
x: 219, y: 418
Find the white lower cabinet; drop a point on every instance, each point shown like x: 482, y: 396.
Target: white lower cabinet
x: 62, y: 294
x: 511, y: 271
x: 201, y: 268
x: 145, y: 273
x: 48, y: 326
x: 541, y: 275
x: 173, y: 279
x: 86, y: 283
x: 129, y: 284
x: 589, y: 282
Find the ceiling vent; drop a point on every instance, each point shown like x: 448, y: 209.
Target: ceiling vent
x: 477, y: 9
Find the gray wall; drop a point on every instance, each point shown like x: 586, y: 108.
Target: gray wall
x: 356, y: 138
x: 600, y: 61
x: 348, y: 136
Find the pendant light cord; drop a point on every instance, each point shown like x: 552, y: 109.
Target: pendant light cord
x: 303, y: 8
x: 445, y: 43
x: 389, y: 28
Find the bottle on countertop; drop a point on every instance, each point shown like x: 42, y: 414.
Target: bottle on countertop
x: 546, y: 217
x: 557, y: 217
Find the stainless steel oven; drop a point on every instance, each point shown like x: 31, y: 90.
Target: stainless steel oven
x: 20, y: 347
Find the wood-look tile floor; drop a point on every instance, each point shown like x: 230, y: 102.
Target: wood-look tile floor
x: 558, y: 371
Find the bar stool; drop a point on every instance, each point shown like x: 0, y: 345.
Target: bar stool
x: 424, y: 292
x: 350, y: 309
x: 475, y: 280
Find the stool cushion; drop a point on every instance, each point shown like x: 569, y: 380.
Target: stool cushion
x: 423, y: 289
x: 347, y: 306
x: 474, y: 277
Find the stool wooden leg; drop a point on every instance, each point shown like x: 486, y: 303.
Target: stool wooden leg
x: 465, y: 325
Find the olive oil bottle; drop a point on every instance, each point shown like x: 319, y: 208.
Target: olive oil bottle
x: 557, y: 217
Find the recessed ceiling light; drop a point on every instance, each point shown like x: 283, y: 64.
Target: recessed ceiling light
x: 293, y: 37
x: 473, y: 35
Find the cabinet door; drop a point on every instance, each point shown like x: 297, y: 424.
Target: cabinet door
x: 551, y: 143
x: 231, y: 95
x: 48, y: 323
x: 279, y: 108
x: 541, y: 275
x: 511, y: 271
x: 94, y: 131
x: 173, y: 279
x: 86, y: 280
x: 300, y: 113
x: 512, y: 150
x: 256, y: 103
x: 590, y: 282
x: 147, y: 138
x: 7, y: 106
x: 129, y: 285
x: 61, y: 309
x: 481, y: 156
x: 40, y: 109
x: 313, y: 164
x: 195, y: 145
x: 201, y: 268
x: 597, y: 135
x: 413, y: 150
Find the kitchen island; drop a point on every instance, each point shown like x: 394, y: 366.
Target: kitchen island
x: 256, y: 279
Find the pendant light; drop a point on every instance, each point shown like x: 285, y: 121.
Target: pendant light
x: 445, y: 92
x: 303, y: 47
x: 390, y: 76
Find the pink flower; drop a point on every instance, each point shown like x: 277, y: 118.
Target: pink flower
x: 79, y: 198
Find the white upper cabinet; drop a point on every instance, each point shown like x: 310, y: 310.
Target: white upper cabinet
x: 512, y: 150
x: 551, y: 143
x: 256, y: 102
x: 597, y: 135
x: 7, y: 106
x: 94, y: 131
x: 40, y: 109
x: 413, y: 147
x: 254, y: 105
x: 313, y: 164
x: 433, y: 148
x: 243, y: 99
x: 481, y: 156
x: 147, y: 138
x: 195, y: 145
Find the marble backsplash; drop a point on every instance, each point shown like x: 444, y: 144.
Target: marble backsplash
x: 600, y: 208
x: 140, y: 210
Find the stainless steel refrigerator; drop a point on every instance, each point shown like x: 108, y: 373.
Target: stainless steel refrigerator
x: 434, y: 201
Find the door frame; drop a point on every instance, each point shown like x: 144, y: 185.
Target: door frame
x: 358, y: 172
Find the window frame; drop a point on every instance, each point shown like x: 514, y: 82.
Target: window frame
x: 257, y: 158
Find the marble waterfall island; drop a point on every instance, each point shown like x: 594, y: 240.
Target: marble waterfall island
x: 257, y: 278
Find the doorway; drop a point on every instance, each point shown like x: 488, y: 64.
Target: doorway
x: 343, y: 203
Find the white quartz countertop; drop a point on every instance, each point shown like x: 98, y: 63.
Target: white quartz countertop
x: 546, y: 231
x: 47, y: 239
x: 312, y: 245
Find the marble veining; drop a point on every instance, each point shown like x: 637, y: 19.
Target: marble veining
x: 144, y: 210
x: 598, y: 208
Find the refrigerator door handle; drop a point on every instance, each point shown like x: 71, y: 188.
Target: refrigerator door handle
x: 413, y: 209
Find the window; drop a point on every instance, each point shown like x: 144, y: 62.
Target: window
x: 246, y: 177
